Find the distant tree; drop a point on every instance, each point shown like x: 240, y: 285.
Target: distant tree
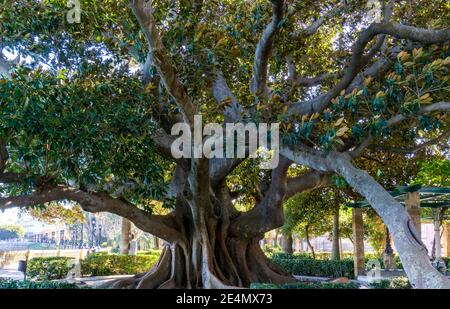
x: 11, y: 232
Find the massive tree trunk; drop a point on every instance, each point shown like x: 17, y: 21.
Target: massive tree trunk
x: 335, y: 250
x: 214, y: 247
x: 208, y: 257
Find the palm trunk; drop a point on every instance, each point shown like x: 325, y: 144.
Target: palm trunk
x: 287, y: 244
x: 335, y: 251
x: 125, y: 236
x: 310, y: 246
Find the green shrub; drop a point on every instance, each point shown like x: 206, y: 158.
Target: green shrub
x: 15, y: 284
x: 306, y: 285
x: 327, y: 256
x: 117, y: 264
x: 395, y: 283
x: 271, y: 250
x: 49, y: 268
x: 307, y: 266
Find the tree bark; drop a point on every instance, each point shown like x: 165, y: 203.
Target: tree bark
x: 207, y: 254
x: 156, y: 243
x: 125, y: 236
x: 412, y: 252
x: 287, y: 243
x: 310, y: 246
x: 335, y: 250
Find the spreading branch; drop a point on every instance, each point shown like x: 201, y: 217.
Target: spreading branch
x: 143, y: 11
x: 306, y: 182
x: 263, y: 51
x: 222, y: 93
x: 360, y: 60
x: 268, y: 214
x: 160, y: 226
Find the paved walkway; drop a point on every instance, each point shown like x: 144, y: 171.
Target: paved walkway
x: 11, y: 274
x: 95, y: 281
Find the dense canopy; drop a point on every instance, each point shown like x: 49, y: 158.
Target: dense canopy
x: 360, y: 90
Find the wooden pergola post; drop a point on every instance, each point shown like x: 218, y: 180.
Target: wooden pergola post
x: 358, y: 241
x: 446, y: 238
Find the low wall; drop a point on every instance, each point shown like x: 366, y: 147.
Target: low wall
x: 10, y: 259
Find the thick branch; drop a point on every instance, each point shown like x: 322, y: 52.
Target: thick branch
x: 359, y: 60
x: 222, y: 93
x: 163, y: 143
x: 160, y: 226
x: 263, y: 50
x: 306, y: 182
x: 220, y: 168
x: 143, y: 12
x: 411, y: 250
x: 268, y: 214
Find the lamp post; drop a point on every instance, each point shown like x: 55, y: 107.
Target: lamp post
x: 99, y: 235
x: 81, y: 236
x: 94, y: 227
x: 389, y: 261
x: 61, y: 238
x: 74, y: 236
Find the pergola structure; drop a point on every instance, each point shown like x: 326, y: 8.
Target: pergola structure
x: 413, y: 197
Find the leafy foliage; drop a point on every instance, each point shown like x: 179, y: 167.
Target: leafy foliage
x: 395, y: 283
x: 46, y: 285
x: 101, y: 264
x: 313, y: 210
x: 307, y: 266
x: 49, y: 268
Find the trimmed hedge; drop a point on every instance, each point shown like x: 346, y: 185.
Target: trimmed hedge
x: 16, y: 284
x: 49, y: 268
x: 306, y: 266
x: 305, y: 285
x: 395, y: 283
x: 101, y: 264
x: 327, y: 256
